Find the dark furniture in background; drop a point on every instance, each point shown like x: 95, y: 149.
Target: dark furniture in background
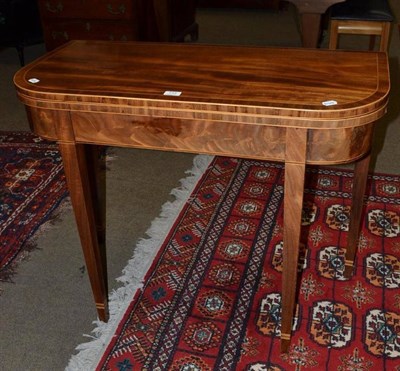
x: 144, y: 20
x: 19, y: 25
x: 311, y: 13
x: 243, y: 4
x: 169, y: 20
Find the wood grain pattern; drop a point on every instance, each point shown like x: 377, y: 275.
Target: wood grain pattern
x: 252, y: 102
x: 295, y: 163
x: 358, y: 192
x: 79, y: 185
x: 201, y: 136
x: 236, y: 84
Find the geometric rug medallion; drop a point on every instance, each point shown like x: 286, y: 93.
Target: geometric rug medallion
x: 211, y: 300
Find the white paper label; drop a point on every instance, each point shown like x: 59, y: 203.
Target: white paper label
x: 172, y: 93
x: 329, y: 103
x: 33, y: 80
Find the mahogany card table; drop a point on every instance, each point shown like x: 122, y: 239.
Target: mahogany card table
x: 298, y: 106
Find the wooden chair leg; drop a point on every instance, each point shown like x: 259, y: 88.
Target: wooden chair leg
x: 372, y: 40
x: 333, y: 35
x: 385, y: 37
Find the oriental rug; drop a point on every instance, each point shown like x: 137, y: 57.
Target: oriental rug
x: 32, y: 186
x: 211, y: 299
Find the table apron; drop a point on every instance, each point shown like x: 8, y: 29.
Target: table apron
x: 324, y: 146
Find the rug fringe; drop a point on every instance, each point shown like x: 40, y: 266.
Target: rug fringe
x: 89, y: 353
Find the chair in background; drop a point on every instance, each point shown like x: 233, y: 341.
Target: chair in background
x: 361, y: 17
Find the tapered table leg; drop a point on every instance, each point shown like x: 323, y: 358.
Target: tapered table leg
x: 358, y: 192
x: 81, y: 188
x: 296, y: 144
x: 97, y: 179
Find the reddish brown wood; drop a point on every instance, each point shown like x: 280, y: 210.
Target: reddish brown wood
x: 264, y: 103
x: 249, y: 85
x: 97, y: 181
x: 80, y: 188
x: 295, y: 163
x: 358, y: 192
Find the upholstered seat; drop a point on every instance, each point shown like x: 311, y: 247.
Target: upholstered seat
x: 361, y: 17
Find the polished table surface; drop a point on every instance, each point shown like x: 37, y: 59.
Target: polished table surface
x: 299, y: 106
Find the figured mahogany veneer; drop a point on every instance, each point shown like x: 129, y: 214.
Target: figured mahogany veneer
x: 299, y: 106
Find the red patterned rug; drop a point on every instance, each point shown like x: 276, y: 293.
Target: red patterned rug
x: 211, y: 300
x: 32, y: 186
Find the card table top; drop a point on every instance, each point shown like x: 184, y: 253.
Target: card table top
x: 295, y: 87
